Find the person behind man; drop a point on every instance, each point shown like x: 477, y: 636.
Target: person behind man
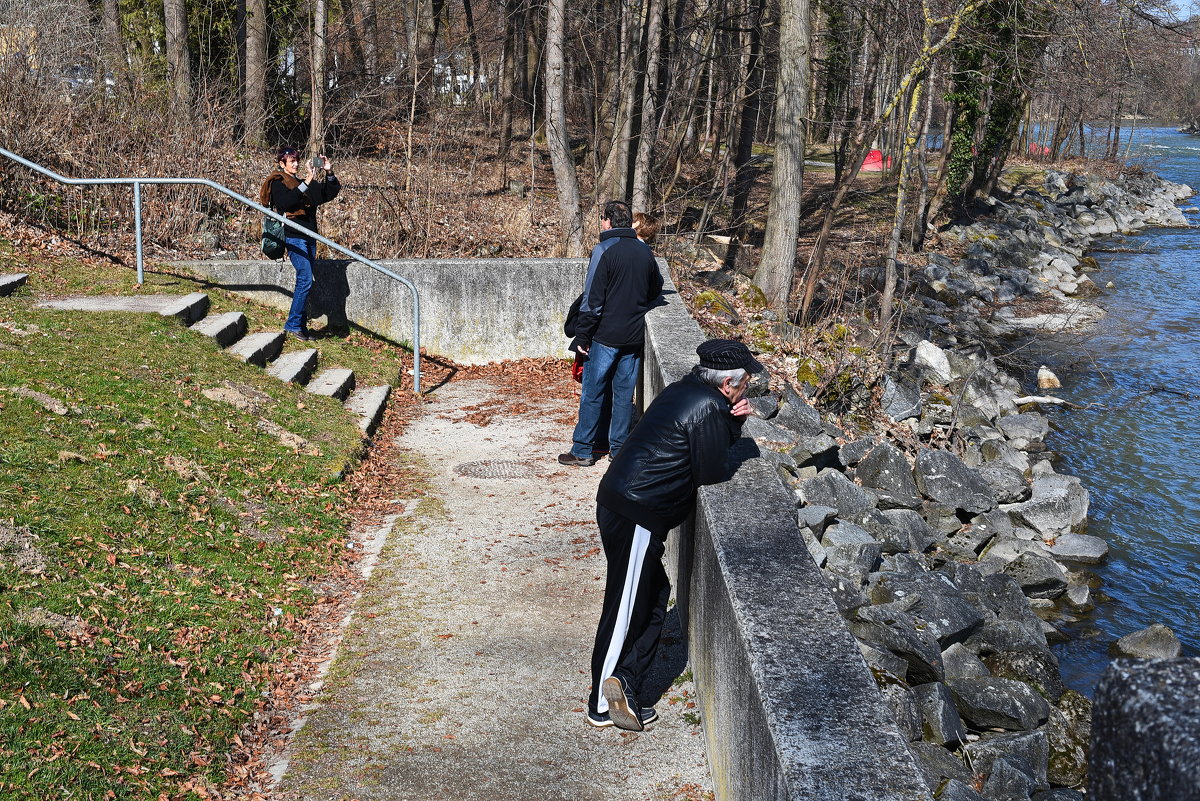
x: 646, y: 227
x: 298, y: 200
x: 681, y: 443
x: 622, y: 282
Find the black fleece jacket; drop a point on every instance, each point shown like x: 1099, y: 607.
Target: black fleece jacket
x: 681, y: 443
x: 622, y: 283
x: 287, y: 199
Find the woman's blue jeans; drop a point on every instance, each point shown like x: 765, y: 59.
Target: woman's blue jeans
x: 609, y: 373
x: 302, y: 251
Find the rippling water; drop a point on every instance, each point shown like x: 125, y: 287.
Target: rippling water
x: 1137, y: 454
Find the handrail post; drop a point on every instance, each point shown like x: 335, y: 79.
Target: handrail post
x: 137, y: 227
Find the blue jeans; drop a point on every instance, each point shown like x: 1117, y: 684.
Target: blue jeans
x: 610, y: 374
x: 302, y: 251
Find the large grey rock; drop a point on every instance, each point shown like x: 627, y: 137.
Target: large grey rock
x: 898, y: 530
x: 832, y: 488
x: 846, y: 534
x: 934, y: 360
x: 1068, y: 731
x: 1003, y: 595
x: 1156, y: 641
x: 960, y: 663
x: 1003, y: 550
x: 1058, y: 504
x: 997, y: 450
x: 1039, y: 669
x: 815, y: 549
x: 883, y: 661
x: 1082, y: 548
x: 845, y: 586
x: 943, y: 478
x: 999, y: 703
x: 940, y: 723
x: 901, y: 400
x: 819, y: 450
x: 1010, y: 780
x: 861, y: 555
x: 1059, y: 794
x: 948, y: 617
x: 814, y: 516
x: 903, y: 703
x: 797, y: 415
x: 769, y: 433
x: 853, y: 452
x: 1022, y: 430
x: 1032, y: 748
x: 1007, y: 635
x: 937, y: 764
x: 943, y: 519
x: 897, y: 631
x: 885, y: 471
x: 955, y: 790
x: 969, y: 541
x: 1039, y: 576
x: 1007, y: 482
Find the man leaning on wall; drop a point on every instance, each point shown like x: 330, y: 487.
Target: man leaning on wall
x: 681, y: 443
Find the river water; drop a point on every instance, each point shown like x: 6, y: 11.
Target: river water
x: 1137, y: 451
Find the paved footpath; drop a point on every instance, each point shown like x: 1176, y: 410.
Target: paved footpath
x: 464, y: 670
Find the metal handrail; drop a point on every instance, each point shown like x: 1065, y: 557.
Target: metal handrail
x: 137, y: 212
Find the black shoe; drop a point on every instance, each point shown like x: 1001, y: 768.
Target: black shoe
x: 601, y: 720
x: 622, y: 704
x: 302, y: 336
x: 572, y: 460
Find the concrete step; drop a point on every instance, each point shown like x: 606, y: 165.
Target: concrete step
x: 368, y: 403
x: 11, y: 283
x: 258, y: 349
x: 187, y: 309
x: 295, y: 367
x: 225, y: 328
x: 334, y: 382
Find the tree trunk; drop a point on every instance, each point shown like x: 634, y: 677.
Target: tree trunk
x: 908, y: 146
x: 507, y: 85
x: 476, y: 58
x: 778, y: 263
x: 179, y: 74
x: 316, y: 122
x: 254, y: 72
x: 744, y: 174
x: 114, y: 54
x: 648, y: 129
x: 917, y: 239
x: 556, y: 130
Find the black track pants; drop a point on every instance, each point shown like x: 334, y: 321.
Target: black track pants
x: 635, y: 604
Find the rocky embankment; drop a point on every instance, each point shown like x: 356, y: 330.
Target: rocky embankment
x: 950, y: 563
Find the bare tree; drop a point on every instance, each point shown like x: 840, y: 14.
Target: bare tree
x: 254, y: 71
x: 556, y: 130
x: 179, y: 74
x: 777, y: 264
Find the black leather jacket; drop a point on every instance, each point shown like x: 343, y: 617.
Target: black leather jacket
x: 681, y: 443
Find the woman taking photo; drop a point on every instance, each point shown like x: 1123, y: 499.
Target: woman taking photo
x: 297, y: 200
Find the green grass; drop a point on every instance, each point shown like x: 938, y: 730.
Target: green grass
x: 181, y: 586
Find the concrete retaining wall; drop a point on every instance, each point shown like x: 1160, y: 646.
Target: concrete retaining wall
x: 790, y: 708
x: 473, y: 311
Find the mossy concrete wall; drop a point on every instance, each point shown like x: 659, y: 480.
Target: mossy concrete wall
x: 789, y: 707
x: 473, y: 311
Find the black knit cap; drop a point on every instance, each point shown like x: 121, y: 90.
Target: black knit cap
x: 727, y: 354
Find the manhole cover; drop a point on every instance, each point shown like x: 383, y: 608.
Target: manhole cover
x: 501, y: 468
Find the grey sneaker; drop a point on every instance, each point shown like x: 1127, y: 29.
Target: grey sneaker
x: 622, y: 706
x: 572, y: 460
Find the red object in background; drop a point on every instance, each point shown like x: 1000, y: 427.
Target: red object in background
x: 1038, y: 150
x: 577, y: 368
x: 874, y: 162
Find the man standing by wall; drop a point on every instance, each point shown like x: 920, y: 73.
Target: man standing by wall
x: 681, y: 443
x: 622, y: 282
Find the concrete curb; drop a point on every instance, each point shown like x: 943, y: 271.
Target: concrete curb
x: 11, y: 283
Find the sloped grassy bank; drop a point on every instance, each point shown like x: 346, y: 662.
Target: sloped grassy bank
x: 157, y: 549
